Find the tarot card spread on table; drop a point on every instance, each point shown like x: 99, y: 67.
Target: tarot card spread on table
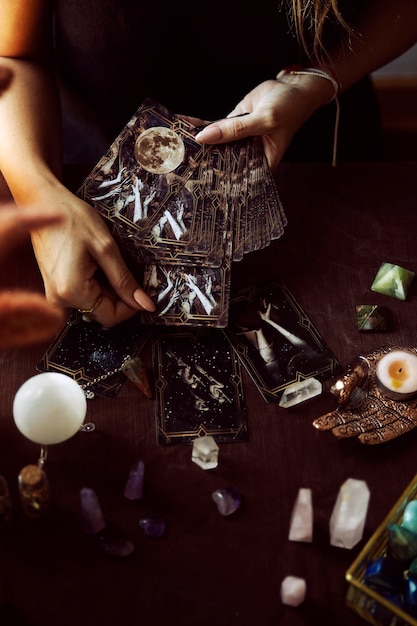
x: 89, y: 353
x: 276, y: 340
x: 198, y: 387
x: 185, y: 211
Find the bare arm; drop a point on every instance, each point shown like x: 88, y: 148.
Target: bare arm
x: 385, y: 32
x: 69, y: 254
x: 278, y: 108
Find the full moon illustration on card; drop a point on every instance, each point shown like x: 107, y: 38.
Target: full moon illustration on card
x: 159, y: 150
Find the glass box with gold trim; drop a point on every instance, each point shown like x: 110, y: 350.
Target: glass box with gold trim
x: 365, y: 600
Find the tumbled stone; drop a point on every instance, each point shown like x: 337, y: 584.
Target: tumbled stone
x: 154, y: 527
x: 293, y: 590
x: 402, y: 543
x: 114, y: 544
x: 382, y: 615
x: 393, y: 280
x: 301, y: 523
x: 205, y: 452
x: 134, y: 485
x: 410, y: 595
x: 384, y: 573
x: 300, y: 392
x: 410, y: 516
x: 412, y: 568
x: 348, y: 517
x: 92, y: 515
x: 228, y: 500
x: 373, y: 318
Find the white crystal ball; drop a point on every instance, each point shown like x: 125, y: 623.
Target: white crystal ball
x: 49, y: 408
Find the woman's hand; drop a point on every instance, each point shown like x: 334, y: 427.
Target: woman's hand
x: 81, y: 264
x: 275, y: 109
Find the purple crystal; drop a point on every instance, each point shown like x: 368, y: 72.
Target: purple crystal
x: 92, y: 514
x: 134, y: 486
x: 154, y: 527
x: 228, y: 500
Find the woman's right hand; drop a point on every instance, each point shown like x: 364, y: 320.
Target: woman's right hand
x: 70, y: 255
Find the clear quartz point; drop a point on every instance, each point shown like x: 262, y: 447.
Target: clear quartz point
x: 301, y: 524
x: 348, y: 518
x: 299, y: 392
x: 205, y: 452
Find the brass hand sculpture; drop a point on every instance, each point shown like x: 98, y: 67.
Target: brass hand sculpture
x: 363, y: 410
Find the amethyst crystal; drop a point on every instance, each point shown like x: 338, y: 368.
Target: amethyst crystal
x: 154, y: 527
x: 92, y: 514
x: 228, y: 500
x: 134, y: 486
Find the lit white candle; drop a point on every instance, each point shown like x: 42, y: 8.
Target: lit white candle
x: 396, y: 375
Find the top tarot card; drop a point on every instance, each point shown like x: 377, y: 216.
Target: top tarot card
x: 153, y: 185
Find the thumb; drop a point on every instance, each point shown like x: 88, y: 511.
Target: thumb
x: 123, y: 283
x: 229, y: 129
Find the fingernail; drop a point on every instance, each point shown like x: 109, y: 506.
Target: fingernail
x: 209, y: 134
x: 143, y: 300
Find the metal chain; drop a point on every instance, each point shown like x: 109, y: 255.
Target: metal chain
x: 90, y: 394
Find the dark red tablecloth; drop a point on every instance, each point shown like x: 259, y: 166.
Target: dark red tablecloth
x: 211, y: 570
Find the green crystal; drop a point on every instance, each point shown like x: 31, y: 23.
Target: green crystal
x: 393, y: 280
x: 402, y: 543
x: 410, y: 516
x: 372, y: 318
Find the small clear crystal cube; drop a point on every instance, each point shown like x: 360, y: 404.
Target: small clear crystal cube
x: 205, y: 452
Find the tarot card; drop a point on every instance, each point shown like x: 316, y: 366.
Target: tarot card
x: 276, y: 341
x: 238, y: 194
x: 215, y: 206
x: 185, y: 211
x: 186, y: 295
x: 143, y: 174
x: 88, y: 353
x: 199, y: 388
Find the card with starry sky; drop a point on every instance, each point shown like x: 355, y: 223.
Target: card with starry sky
x: 199, y: 388
x: 89, y: 353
